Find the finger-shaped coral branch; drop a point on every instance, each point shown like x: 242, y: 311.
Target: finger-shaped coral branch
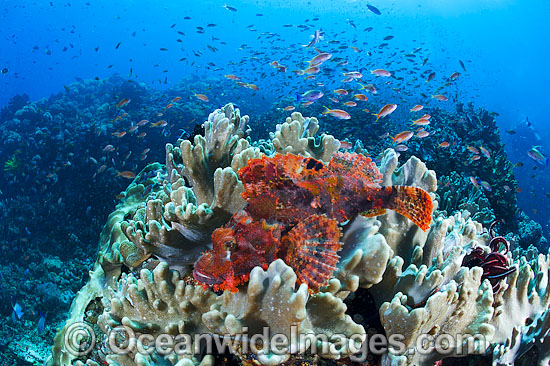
x: 297, y: 136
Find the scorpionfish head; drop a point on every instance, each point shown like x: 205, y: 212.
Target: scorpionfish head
x: 236, y: 249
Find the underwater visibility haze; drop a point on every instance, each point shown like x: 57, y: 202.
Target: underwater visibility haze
x: 343, y: 170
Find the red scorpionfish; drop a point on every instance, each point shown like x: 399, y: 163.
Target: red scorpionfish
x: 294, y: 208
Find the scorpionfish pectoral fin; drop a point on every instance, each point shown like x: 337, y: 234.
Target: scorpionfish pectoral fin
x: 311, y: 250
x: 412, y: 202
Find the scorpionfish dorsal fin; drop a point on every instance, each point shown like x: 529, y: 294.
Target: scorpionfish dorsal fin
x: 275, y: 186
x: 278, y: 170
x: 359, y: 165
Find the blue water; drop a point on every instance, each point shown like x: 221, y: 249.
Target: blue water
x: 503, y: 44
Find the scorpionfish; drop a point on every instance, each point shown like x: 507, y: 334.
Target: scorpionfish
x: 295, y: 207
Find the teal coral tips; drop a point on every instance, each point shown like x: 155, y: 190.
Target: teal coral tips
x: 12, y: 164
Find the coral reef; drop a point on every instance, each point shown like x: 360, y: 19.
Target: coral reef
x: 529, y: 232
x: 457, y: 194
x: 419, y: 281
x: 56, y: 152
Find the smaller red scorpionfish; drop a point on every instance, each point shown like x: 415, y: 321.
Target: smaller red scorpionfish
x: 294, y: 208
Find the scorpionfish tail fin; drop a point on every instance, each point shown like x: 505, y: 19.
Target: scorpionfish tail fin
x: 412, y: 202
x: 311, y: 250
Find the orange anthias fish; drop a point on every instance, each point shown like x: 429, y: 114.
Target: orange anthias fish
x: 119, y: 134
x: 353, y: 74
x: 387, y: 109
x: 430, y: 77
x: 402, y: 137
x: 421, y: 122
x: 123, y: 102
x: 454, y: 76
x: 380, y: 72
x: 202, y: 97
x: 345, y: 145
x: 440, y: 97
x: 294, y: 208
x: 338, y: 113
x: 311, y: 70
x: 252, y: 86
x: 160, y: 123
x: 368, y: 87
x: 485, y: 152
x: 472, y: 149
x: 126, y: 174
x: 341, y: 91
x: 108, y: 148
x: 319, y: 59
x: 232, y: 77
x: 120, y: 116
